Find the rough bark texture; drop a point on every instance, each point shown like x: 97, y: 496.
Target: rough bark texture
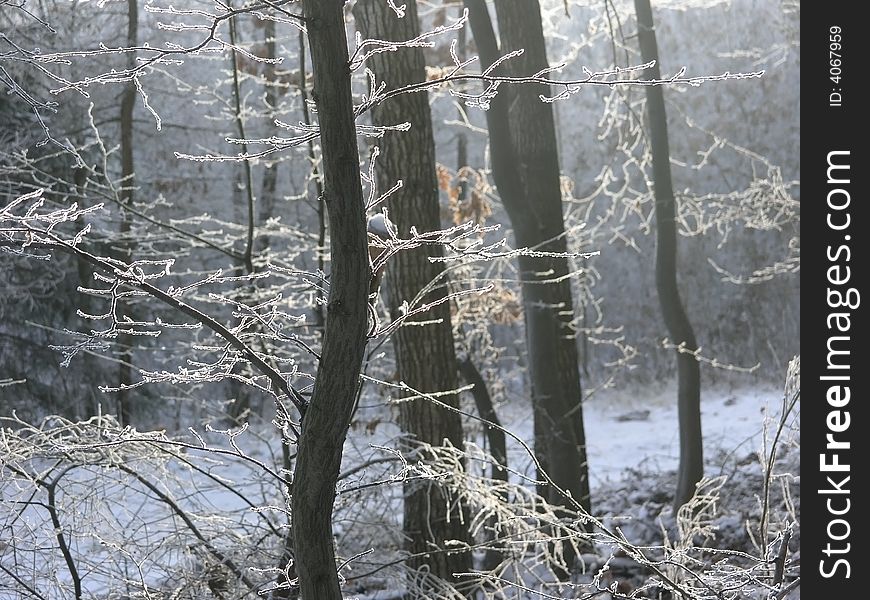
x: 326, y: 421
x: 525, y: 166
x: 128, y: 103
x: 425, y: 356
x: 679, y: 329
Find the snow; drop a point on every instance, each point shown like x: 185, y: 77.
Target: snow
x: 628, y: 429
x: 633, y: 452
x: 632, y: 442
x: 729, y: 418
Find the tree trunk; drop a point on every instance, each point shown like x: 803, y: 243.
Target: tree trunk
x: 425, y: 356
x: 525, y: 167
x: 461, y: 136
x: 128, y: 103
x: 497, y: 448
x: 268, y: 195
x: 240, y: 391
x: 324, y: 427
x: 680, y: 330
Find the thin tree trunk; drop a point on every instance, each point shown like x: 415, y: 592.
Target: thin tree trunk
x: 425, y: 356
x: 239, y: 390
x: 270, y: 171
x: 525, y: 168
x: 461, y: 136
x: 486, y: 410
x: 497, y: 448
x: 324, y: 427
x: 128, y: 103
x: 247, y: 169
x: 677, y: 322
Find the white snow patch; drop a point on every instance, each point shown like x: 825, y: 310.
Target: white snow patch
x: 618, y: 438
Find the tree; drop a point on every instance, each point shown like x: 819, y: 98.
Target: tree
x: 326, y: 420
x: 128, y: 104
x: 425, y: 356
x: 691, y: 467
x: 33, y: 156
x: 525, y: 167
x: 53, y: 465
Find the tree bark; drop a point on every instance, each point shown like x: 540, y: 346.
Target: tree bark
x: 525, y: 167
x: 324, y: 427
x: 425, y: 356
x: 691, y: 467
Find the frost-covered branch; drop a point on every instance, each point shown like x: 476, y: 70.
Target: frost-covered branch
x: 20, y: 231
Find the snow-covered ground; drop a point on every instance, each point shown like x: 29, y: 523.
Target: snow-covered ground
x: 630, y: 430
x: 632, y: 441
x: 633, y: 452
x: 638, y: 428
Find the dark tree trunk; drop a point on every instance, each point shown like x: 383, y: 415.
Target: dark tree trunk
x: 270, y: 172
x: 497, y: 448
x: 679, y: 329
x: 240, y: 391
x: 486, y: 410
x: 425, y: 356
x: 324, y: 427
x: 128, y: 103
x: 461, y: 137
x: 525, y: 166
